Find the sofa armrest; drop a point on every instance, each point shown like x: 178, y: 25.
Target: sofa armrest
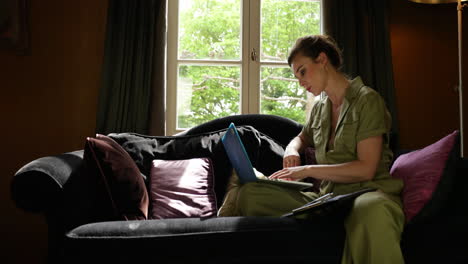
x: 38, y: 186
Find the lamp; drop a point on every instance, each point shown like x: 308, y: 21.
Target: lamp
x: 460, y: 73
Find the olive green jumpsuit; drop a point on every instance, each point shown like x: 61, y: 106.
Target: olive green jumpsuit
x: 376, y: 220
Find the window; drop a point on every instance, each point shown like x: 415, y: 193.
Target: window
x: 229, y: 57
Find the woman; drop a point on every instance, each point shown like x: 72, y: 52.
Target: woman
x: 349, y: 130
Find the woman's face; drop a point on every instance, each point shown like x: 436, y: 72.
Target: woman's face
x: 309, y: 73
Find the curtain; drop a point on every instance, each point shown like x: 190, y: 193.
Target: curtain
x: 126, y: 92
x: 361, y: 29
x: 158, y: 118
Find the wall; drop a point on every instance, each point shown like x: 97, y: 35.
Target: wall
x: 47, y: 106
x: 425, y: 64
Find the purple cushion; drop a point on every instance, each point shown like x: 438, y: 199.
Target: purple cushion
x: 182, y: 188
x: 421, y: 172
x: 118, y: 189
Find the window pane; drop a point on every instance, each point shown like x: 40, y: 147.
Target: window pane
x: 210, y: 29
x: 205, y: 93
x: 283, y: 21
x: 281, y: 94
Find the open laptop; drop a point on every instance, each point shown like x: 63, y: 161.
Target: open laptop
x: 241, y: 163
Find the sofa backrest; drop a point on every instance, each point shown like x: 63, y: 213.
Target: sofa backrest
x: 279, y: 128
x: 265, y: 153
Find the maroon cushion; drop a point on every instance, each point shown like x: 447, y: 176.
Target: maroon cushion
x: 119, y: 189
x: 421, y: 172
x: 182, y: 188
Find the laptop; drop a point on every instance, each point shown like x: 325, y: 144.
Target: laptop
x: 241, y: 163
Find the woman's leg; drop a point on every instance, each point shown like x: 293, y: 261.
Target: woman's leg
x: 373, y: 230
x: 229, y: 206
x: 263, y: 199
x: 256, y: 199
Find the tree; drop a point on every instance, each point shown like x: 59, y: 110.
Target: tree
x: 211, y: 29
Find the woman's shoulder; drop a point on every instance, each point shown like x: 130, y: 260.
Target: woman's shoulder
x: 367, y: 91
x: 368, y: 99
x: 368, y: 94
x: 360, y: 91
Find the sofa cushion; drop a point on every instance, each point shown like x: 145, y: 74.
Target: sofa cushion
x: 428, y: 176
x: 115, y: 186
x: 265, y: 153
x: 182, y: 188
x: 213, y: 240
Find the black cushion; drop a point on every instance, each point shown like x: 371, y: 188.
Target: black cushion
x: 265, y: 153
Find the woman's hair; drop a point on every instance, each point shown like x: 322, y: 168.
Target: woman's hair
x: 311, y: 46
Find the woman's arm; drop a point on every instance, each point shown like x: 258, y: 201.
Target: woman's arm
x: 292, y: 152
x: 363, y: 169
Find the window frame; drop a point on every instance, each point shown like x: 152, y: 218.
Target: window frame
x: 249, y: 66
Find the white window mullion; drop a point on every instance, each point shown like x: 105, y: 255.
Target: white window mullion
x: 253, y: 99
x: 244, y: 106
x: 172, y: 68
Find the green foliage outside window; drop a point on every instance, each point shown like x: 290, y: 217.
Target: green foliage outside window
x: 211, y: 29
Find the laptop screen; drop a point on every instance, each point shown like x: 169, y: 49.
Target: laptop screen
x: 238, y: 155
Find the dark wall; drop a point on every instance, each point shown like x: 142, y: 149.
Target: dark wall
x: 47, y: 105
x: 48, y: 99
x: 425, y: 65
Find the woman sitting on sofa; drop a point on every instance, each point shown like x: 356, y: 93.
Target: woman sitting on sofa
x: 349, y: 130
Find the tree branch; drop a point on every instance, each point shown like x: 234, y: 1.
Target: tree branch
x: 287, y: 98
x: 278, y: 78
x: 220, y: 78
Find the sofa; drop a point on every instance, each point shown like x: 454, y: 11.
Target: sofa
x: 81, y: 227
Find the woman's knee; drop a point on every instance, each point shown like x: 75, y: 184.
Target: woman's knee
x: 376, y: 209
x: 268, y: 200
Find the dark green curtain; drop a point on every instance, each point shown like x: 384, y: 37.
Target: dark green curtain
x: 361, y: 29
x: 126, y: 92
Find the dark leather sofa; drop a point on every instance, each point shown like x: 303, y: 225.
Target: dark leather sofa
x: 47, y: 186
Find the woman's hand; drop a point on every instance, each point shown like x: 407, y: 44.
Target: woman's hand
x: 359, y: 170
x: 290, y: 173
x: 291, y: 161
x: 291, y: 157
